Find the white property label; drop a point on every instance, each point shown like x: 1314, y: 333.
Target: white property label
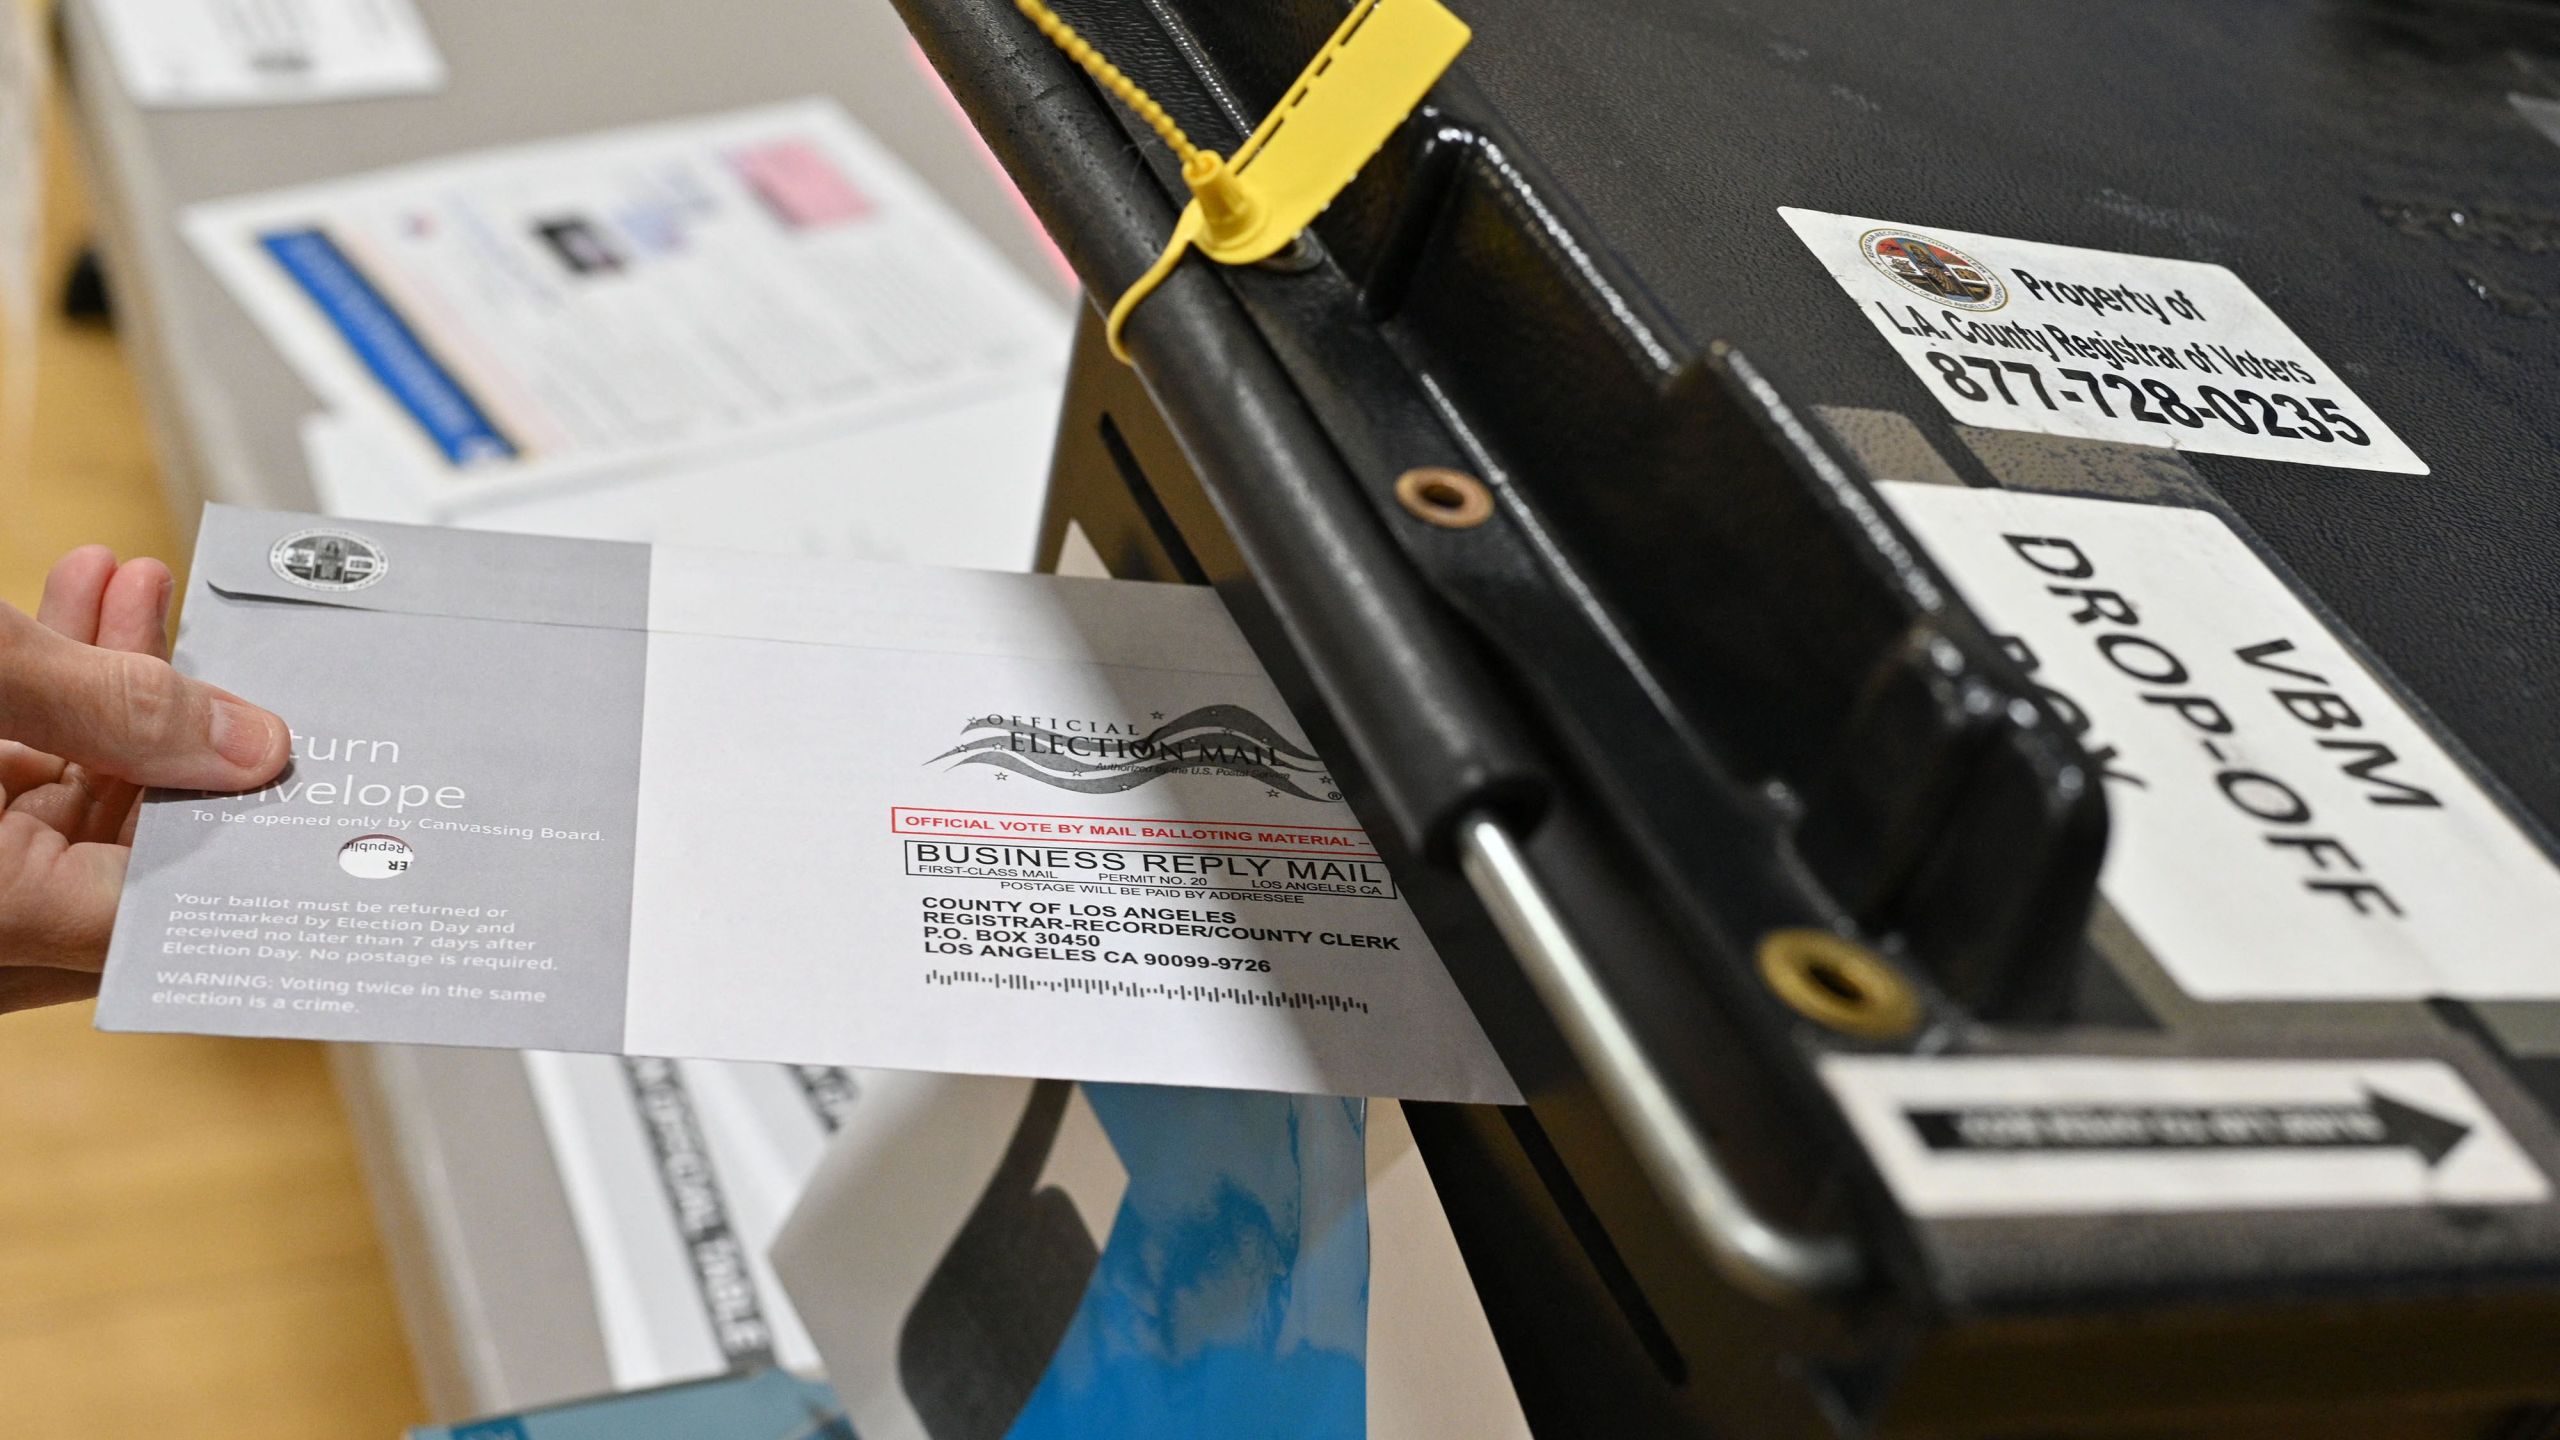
x: 2283, y: 828
x: 2012, y: 1135
x: 2019, y: 335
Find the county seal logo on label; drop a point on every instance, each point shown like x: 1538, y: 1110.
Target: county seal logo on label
x: 328, y: 560
x: 1935, y: 269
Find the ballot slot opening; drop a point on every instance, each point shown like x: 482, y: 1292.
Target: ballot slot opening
x: 1142, y: 493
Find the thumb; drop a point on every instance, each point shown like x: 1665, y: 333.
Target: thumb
x: 130, y: 716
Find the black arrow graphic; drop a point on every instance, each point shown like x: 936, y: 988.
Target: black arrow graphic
x: 2378, y: 1123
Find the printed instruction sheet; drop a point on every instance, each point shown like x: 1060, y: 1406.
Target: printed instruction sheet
x: 961, y: 485
x: 522, y: 317
x: 678, y: 1174
x: 580, y: 795
x: 174, y: 53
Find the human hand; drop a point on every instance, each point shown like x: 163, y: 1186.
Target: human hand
x: 90, y: 712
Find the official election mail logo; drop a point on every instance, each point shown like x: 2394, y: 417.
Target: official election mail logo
x: 336, y: 560
x: 1934, y: 268
x: 1106, y: 757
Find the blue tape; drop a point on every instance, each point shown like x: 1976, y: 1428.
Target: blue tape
x: 1232, y: 1297
x: 382, y: 339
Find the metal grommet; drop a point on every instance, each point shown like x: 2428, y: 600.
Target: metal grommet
x: 1838, y: 983
x: 1451, y: 499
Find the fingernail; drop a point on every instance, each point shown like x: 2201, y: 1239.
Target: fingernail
x: 242, y: 733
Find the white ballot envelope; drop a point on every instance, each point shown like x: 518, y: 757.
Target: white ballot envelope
x: 583, y: 795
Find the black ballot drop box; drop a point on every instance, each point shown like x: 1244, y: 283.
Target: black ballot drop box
x: 1939, y: 1016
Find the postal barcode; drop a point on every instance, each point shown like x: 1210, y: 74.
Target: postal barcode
x: 1143, y: 990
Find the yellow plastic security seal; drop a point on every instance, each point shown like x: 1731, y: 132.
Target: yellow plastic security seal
x: 1378, y: 66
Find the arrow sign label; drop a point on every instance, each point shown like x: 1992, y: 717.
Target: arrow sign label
x: 2376, y: 1122
x: 1985, y: 1135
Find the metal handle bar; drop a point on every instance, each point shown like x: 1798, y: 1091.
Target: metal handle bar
x: 1766, y: 1259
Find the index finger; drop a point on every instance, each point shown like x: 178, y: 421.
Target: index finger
x: 73, y: 589
x: 134, y: 612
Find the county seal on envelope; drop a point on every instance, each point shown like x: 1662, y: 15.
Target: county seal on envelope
x: 576, y: 795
